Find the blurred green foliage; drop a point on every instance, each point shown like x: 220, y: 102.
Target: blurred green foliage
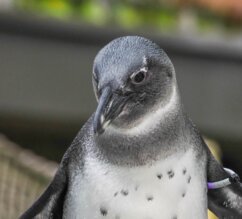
x: 125, y: 13
x: 157, y: 15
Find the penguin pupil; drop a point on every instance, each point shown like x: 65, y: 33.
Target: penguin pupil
x: 139, y: 77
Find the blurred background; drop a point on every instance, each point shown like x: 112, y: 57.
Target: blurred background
x: 46, y: 52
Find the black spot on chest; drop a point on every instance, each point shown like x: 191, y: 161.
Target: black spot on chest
x: 103, y: 211
x: 184, y: 171
x: 170, y: 174
x: 189, y: 179
x: 149, y: 197
x: 124, y: 192
x: 136, y: 187
x: 159, y: 175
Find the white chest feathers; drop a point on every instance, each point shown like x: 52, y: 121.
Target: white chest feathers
x: 174, y: 188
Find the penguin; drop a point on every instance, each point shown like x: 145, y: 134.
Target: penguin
x: 139, y: 156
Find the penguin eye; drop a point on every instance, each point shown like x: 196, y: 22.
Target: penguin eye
x: 138, y: 77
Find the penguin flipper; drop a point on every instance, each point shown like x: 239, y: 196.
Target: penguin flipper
x: 50, y: 203
x: 225, y: 202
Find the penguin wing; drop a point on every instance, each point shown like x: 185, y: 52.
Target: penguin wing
x: 225, y: 202
x: 50, y: 203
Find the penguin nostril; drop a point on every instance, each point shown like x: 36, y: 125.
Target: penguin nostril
x: 118, y: 92
x: 127, y: 92
x: 123, y: 92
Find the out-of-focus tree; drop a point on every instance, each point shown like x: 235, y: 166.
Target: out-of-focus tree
x: 164, y: 15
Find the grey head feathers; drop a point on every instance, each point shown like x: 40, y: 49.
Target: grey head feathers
x: 134, y: 76
x: 135, y: 85
x: 125, y: 55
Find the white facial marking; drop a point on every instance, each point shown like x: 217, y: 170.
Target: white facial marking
x: 102, y: 119
x: 144, y: 69
x: 145, y: 62
x: 106, y: 124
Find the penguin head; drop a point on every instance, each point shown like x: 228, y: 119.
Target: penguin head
x: 132, y: 79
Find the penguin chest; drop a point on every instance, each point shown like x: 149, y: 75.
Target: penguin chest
x: 172, y: 188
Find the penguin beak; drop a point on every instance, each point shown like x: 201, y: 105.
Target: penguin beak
x: 110, y: 105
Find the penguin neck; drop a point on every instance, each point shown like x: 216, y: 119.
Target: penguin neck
x: 155, y: 118
x: 138, y: 148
